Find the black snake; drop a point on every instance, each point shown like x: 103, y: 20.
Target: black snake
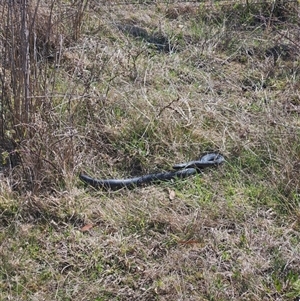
x: 182, y: 170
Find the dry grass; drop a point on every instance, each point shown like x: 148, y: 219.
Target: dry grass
x: 113, y: 103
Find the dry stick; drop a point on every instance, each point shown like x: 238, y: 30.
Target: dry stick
x: 11, y: 16
x: 168, y: 106
x: 285, y: 36
x: 25, y: 60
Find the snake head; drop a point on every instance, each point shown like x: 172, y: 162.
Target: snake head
x: 211, y: 159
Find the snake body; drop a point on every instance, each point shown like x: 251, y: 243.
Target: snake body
x: 182, y: 170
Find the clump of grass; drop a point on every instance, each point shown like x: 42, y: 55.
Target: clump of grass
x: 33, y: 36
